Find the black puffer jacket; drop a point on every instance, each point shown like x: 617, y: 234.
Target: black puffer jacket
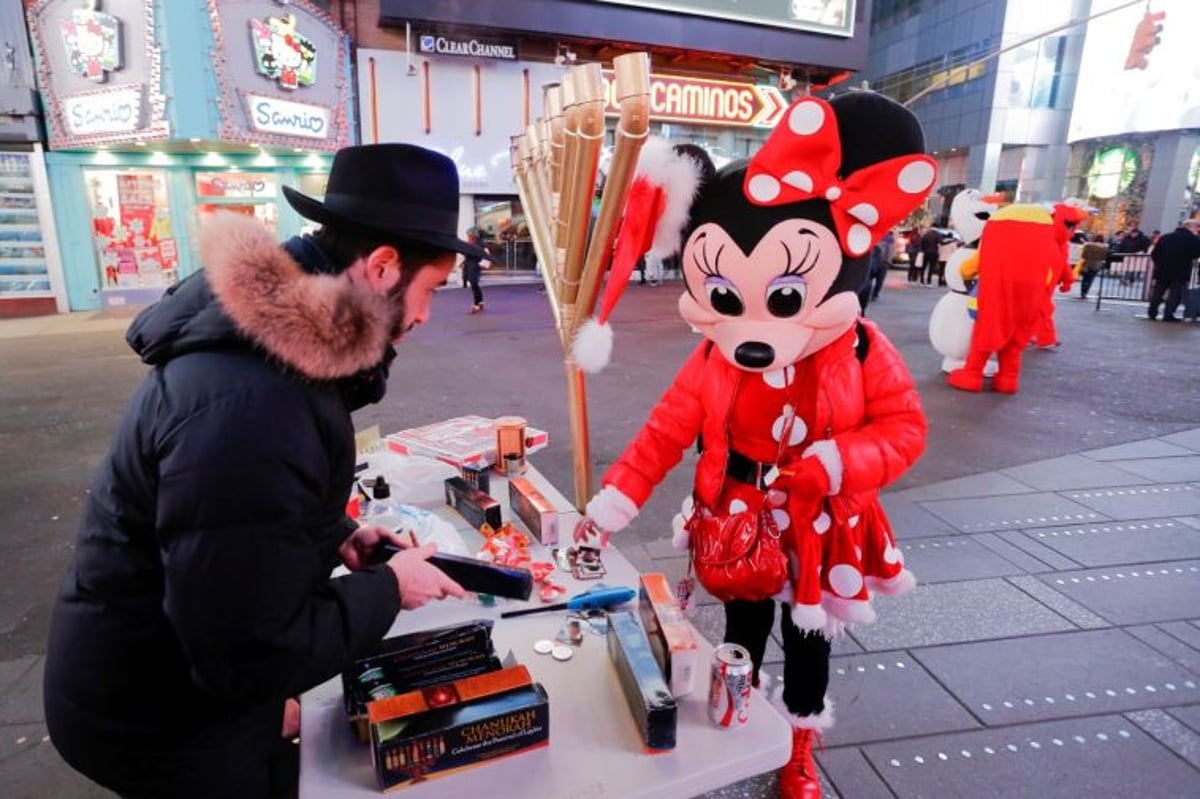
x: 199, y: 597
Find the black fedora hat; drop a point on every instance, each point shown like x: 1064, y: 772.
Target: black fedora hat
x: 399, y: 190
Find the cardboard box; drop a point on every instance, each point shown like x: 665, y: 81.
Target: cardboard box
x: 421, y: 659
x: 472, y: 504
x: 672, y: 637
x: 463, y: 440
x: 411, y: 745
x: 646, y: 692
x: 537, y: 513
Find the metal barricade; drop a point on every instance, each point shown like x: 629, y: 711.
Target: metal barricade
x: 1129, y: 277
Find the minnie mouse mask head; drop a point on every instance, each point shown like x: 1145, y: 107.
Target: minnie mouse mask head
x: 777, y: 247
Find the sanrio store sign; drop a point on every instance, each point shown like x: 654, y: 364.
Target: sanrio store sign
x: 272, y: 115
x: 109, y: 111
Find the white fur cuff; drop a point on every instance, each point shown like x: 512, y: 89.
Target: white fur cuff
x: 902, y: 583
x: 809, y: 618
x: 826, y: 452
x: 611, y: 510
x: 680, y: 537
x: 814, y: 721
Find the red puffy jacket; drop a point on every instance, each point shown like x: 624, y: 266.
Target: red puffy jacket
x: 870, y: 410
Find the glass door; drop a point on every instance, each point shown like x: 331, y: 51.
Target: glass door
x: 249, y: 193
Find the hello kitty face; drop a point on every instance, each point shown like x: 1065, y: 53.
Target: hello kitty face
x: 761, y: 308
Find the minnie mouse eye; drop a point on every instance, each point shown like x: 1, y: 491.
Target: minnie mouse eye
x: 785, y: 296
x: 723, y: 296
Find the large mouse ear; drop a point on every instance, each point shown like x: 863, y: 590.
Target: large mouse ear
x: 656, y: 212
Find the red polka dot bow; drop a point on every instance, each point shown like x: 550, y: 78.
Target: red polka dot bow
x: 800, y: 161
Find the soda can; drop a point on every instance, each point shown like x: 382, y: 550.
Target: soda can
x: 729, y: 690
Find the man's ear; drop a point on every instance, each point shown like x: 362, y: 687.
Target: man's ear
x: 383, y: 267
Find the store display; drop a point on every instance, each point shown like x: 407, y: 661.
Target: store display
x: 646, y: 692
x: 475, y: 506
x: 131, y: 228
x: 23, y: 268
x: 729, y: 688
x: 673, y: 640
x: 463, y: 440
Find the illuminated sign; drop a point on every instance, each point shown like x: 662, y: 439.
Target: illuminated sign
x: 116, y: 110
x: 93, y: 42
x: 282, y: 54
x: 707, y: 102
x: 470, y: 47
x: 272, y: 115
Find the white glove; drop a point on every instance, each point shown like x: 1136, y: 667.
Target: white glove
x: 611, y: 510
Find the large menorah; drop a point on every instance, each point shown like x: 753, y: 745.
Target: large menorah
x: 555, y: 162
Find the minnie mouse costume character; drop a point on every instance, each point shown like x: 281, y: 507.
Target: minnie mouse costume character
x: 775, y: 251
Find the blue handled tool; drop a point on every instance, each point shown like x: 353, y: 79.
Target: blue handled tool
x: 598, y: 598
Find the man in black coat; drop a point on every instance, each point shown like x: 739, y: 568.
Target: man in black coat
x: 199, y: 600
x: 1173, y: 256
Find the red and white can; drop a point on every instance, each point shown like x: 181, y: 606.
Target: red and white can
x: 729, y: 690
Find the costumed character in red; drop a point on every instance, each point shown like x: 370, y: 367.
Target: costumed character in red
x: 1018, y: 242
x: 1067, y: 216
x: 803, y: 409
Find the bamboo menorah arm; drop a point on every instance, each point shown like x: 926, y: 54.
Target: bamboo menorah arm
x: 632, y: 78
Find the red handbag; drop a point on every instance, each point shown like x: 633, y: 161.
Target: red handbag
x: 740, y: 555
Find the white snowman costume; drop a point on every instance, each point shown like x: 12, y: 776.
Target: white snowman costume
x: 950, y: 324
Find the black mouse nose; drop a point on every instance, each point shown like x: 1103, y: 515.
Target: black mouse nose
x: 754, y: 354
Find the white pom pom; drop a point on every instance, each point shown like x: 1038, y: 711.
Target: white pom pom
x: 593, y: 345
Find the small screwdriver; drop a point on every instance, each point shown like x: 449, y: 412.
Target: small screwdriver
x: 598, y: 598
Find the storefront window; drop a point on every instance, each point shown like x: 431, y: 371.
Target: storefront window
x: 131, y: 227
x: 502, y: 226
x: 23, y: 270
x: 249, y: 193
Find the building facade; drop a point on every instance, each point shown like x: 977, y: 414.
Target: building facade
x: 1033, y: 99
x: 160, y: 113
x: 462, y: 78
x: 31, y: 277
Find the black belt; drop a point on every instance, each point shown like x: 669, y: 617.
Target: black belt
x: 745, y: 470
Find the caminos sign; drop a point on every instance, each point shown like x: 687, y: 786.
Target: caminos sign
x: 710, y: 102
x: 108, y: 111
x: 287, y: 118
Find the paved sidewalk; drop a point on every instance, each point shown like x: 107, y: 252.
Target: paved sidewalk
x: 1051, y: 649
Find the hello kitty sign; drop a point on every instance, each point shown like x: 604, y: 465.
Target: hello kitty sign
x: 282, y: 54
x: 93, y: 42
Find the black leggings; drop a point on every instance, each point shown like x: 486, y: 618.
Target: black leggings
x: 805, y: 654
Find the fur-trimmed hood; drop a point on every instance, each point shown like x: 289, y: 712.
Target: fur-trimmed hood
x: 252, y: 290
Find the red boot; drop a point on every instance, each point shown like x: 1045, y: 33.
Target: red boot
x: 1008, y: 377
x: 799, y: 779
x: 970, y: 377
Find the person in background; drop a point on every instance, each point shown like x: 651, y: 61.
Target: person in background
x: 1092, y: 257
x: 947, y: 244
x: 912, y: 248
x: 1173, y: 257
x: 199, y: 600
x: 886, y: 248
x: 930, y: 240
x: 472, y: 269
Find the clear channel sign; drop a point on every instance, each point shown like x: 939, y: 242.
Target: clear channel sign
x: 706, y: 102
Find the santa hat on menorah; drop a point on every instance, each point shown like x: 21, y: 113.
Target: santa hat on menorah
x: 656, y: 212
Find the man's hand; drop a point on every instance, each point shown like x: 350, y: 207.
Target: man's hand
x: 291, y: 719
x: 361, y: 548
x: 420, y: 581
